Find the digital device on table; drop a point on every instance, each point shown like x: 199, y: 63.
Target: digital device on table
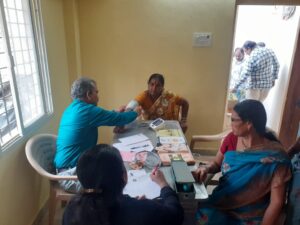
x: 184, y: 180
x: 157, y: 124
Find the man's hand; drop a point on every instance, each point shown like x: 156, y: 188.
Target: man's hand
x: 121, y: 108
x: 119, y: 130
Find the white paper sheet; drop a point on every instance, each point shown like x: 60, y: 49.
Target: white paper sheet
x: 139, y: 184
x: 136, y: 147
x: 133, y: 139
x: 172, y: 140
x: 201, y: 192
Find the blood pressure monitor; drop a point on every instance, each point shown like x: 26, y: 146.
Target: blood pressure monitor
x: 157, y: 124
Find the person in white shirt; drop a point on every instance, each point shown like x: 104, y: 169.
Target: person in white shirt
x: 236, y: 69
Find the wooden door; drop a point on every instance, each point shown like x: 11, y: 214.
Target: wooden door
x: 291, y: 113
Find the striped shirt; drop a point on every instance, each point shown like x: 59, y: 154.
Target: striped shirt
x: 260, y: 71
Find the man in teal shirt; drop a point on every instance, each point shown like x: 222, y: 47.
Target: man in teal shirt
x: 78, y: 129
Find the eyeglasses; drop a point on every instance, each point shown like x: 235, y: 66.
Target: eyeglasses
x: 235, y: 119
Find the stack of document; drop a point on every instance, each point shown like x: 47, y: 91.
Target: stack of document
x: 130, y: 145
x: 171, y: 141
x: 169, y: 133
x: 176, y: 148
x: 167, y: 157
x: 172, y: 145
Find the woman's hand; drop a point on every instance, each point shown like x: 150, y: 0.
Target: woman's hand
x: 200, y: 174
x: 183, y: 125
x: 213, y: 167
x: 138, y: 110
x: 158, y: 177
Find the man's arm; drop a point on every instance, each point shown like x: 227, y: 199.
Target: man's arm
x: 131, y: 106
x: 103, y: 117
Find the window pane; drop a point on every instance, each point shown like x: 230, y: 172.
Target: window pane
x: 8, y: 125
x: 20, y: 17
x: 30, y: 96
x: 24, y: 98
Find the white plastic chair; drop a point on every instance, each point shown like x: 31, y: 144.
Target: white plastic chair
x: 40, y: 151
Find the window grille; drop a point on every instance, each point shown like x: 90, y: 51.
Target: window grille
x: 25, y: 97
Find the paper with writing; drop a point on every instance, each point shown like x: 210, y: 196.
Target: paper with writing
x: 133, y: 139
x: 139, y: 183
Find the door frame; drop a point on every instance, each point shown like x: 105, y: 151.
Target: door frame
x: 291, y: 111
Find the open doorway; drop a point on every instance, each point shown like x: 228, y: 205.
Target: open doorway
x: 277, y: 27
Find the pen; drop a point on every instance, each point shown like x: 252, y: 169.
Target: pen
x: 155, y: 169
x: 139, y: 147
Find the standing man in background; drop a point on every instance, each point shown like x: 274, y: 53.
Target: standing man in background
x: 78, y: 129
x: 259, y: 72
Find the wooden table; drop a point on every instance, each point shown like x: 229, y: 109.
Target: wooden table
x: 137, y: 127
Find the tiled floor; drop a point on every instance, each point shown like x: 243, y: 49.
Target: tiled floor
x: 57, y: 219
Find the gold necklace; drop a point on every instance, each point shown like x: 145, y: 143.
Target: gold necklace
x: 244, y: 144
x: 251, y: 146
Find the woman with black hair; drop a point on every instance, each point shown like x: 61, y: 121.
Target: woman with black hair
x: 255, y: 172
x: 103, y: 176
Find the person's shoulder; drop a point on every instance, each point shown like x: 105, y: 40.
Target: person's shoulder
x: 169, y: 94
x: 141, y: 95
x: 231, y: 135
x: 231, y: 138
x: 257, y: 51
x: 84, y: 107
x: 229, y: 142
x: 270, y: 52
x: 79, y: 103
x: 275, y: 145
x: 145, y: 92
x: 74, y: 106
